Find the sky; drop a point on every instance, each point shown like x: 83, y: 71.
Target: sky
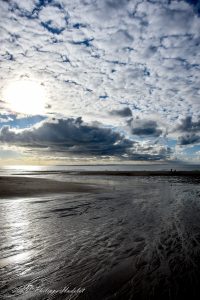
x: 89, y: 81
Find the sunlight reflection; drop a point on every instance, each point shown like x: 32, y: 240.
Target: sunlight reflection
x: 17, y: 234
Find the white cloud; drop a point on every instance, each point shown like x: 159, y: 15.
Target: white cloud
x: 144, y: 55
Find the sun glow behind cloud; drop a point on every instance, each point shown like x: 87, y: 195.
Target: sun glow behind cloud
x: 25, y: 96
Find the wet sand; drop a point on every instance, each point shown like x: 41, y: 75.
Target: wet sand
x: 24, y: 186
x: 131, y: 238
x: 14, y: 186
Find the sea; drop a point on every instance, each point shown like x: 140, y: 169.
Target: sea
x: 130, y: 238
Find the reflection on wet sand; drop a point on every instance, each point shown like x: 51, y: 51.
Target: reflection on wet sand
x: 15, y: 259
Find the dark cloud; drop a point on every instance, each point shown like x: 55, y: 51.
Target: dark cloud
x: 191, y: 130
x: 73, y: 136
x: 187, y: 125
x: 187, y: 139
x: 70, y: 135
x: 145, y: 128
x: 149, y: 153
x: 124, y: 112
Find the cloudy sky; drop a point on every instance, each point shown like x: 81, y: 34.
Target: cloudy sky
x: 99, y: 80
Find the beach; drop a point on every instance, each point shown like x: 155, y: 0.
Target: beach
x: 99, y: 235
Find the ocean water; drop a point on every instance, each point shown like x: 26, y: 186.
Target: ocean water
x: 131, y: 238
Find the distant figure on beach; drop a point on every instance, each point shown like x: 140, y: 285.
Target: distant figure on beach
x: 171, y: 171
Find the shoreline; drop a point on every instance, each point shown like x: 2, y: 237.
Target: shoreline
x: 141, y: 173
x: 195, y: 173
